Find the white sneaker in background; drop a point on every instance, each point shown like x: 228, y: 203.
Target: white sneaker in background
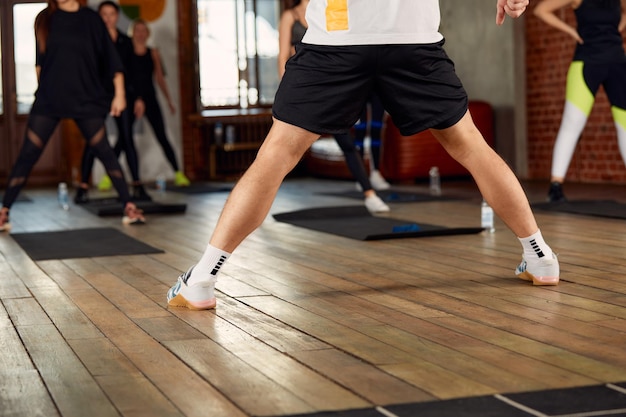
x: 378, y: 182
x: 374, y: 204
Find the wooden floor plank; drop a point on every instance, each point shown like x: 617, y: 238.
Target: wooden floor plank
x: 23, y: 394
x: 250, y: 350
x: 520, y: 371
x: 361, y: 377
x: 10, y: 285
x: 19, y: 378
x: 180, y: 384
x: 71, y: 386
x: 559, y: 357
x: 250, y: 389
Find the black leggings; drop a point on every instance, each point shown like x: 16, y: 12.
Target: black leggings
x: 124, y: 143
x: 38, y: 132
x: 155, y: 117
x: 354, y: 160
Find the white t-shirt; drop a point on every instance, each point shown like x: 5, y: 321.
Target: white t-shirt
x: 372, y: 22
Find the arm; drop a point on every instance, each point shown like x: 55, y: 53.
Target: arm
x: 119, y: 100
x: 284, y: 40
x: 513, y: 8
x: 622, y: 22
x: 546, y: 12
x: 160, y: 79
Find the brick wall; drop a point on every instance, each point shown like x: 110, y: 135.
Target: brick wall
x: 548, y: 55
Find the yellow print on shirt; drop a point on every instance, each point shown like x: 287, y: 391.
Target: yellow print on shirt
x: 337, y: 15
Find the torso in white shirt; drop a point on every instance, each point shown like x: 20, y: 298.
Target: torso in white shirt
x: 372, y: 22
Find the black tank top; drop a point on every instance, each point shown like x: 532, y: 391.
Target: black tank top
x: 142, y: 69
x: 297, y: 32
x: 598, y: 22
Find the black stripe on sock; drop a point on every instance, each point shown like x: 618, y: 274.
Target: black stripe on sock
x: 536, y: 248
x: 219, y: 264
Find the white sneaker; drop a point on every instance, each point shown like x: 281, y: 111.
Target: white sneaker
x: 200, y: 296
x: 374, y: 204
x: 541, y: 271
x: 377, y: 180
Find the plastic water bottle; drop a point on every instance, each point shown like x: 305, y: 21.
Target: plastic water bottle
x: 435, y: 181
x: 63, y: 197
x: 218, y: 133
x: 230, y: 134
x: 486, y: 217
x: 160, y: 183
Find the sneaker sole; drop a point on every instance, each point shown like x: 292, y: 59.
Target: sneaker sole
x: 527, y: 276
x: 129, y: 221
x: 180, y: 301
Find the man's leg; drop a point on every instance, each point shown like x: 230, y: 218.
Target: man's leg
x: 497, y: 183
x: 251, y: 199
x: 244, y: 211
x: 503, y: 192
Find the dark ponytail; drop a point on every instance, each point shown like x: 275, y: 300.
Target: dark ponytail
x: 42, y: 24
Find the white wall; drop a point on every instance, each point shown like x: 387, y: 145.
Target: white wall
x: 489, y: 61
x: 481, y: 50
x: 152, y: 161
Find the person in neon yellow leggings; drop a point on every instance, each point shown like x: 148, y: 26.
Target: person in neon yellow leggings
x: 599, y: 59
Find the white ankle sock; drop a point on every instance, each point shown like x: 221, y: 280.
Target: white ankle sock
x: 535, y: 247
x: 208, y: 266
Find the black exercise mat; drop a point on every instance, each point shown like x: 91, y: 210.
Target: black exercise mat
x: 591, y: 400
x: 112, y: 207
x: 392, y: 196
x: 197, y: 188
x: 357, y: 223
x: 600, y: 208
x: 80, y: 243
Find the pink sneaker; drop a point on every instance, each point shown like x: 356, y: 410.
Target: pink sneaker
x: 5, y: 226
x: 133, y: 215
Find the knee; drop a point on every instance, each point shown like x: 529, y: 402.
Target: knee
x: 278, y: 158
x: 283, y: 149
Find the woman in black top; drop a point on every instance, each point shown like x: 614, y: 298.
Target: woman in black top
x: 109, y: 12
x: 80, y: 77
x: 145, y: 68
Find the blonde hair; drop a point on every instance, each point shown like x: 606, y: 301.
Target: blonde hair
x: 138, y: 21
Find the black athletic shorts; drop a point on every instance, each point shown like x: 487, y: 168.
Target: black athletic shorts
x: 325, y: 88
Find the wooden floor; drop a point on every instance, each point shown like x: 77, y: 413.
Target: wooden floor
x: 307, y: 321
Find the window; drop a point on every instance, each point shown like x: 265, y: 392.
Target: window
x: 237, y: 51
x: 24, y: 35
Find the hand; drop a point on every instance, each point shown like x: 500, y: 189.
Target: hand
x: 514, y: 8
x: 117, y: 105
x: 139, y: 108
